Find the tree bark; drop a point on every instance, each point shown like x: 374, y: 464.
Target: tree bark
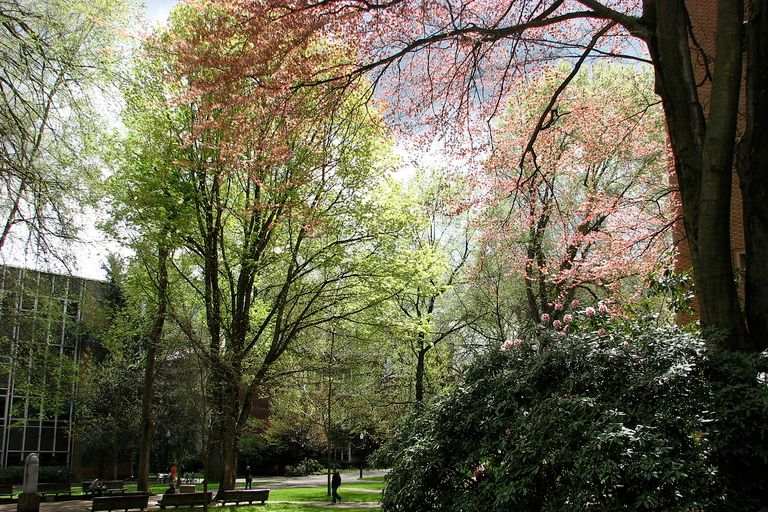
x: 718, y: 298
x: 703, y: 152
x: 147, y: 424
x: 421, y: 354
x: 753, y: 175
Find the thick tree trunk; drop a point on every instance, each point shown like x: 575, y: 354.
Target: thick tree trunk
x: 753, y: 175
x: 147, y: 424
x: 703, y: 150
x: 718, y: 298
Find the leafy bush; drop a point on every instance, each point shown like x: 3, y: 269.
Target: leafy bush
x: 15, y: 474
x: 303, y: 468
x: 628, y: 419
x: 12, y: 475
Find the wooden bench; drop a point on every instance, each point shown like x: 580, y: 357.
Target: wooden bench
x: 112, y: 487
x: 54, y: 488
x: 123, y: 502
x: 6, y: 489
x: 237, y: 496
x: 186, y: 499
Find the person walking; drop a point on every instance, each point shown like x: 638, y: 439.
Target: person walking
x: 335, y: 483
x: 248, y: 478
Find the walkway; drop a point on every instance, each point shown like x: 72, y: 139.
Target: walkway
x: 268, y: 482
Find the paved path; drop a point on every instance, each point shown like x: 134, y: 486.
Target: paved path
x: 270, y: 482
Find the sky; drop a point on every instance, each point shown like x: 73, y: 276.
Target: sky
x: 157, y: 10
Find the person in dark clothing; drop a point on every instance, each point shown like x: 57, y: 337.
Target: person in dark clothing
x: 97, y: 488
x: 171, y: 490
x: 248, y: 478
x: 335, y: 483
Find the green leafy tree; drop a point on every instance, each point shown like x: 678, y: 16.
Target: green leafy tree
x: 57, y: 57
x: 426, y: 311
x: 273, y: 218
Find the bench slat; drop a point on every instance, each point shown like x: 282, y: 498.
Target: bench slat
x: 54, y: 488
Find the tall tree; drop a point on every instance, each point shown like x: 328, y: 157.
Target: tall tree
x: 56, y: 56
x: 274, y: 186
x: 427, y: 314
x: 451, y: 54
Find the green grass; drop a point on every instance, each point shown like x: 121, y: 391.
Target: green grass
x: 377, y: 486
x: 288, y: 507
x: 301, y: 494
x: 320, y: 494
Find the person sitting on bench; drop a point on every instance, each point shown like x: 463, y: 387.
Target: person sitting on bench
x: 97, y: 488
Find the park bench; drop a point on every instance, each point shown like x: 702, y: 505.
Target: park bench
x: 123, y: 502
x: 6, y: 489
x: 54, y: 488
x: 187, y: 499
x: 238, y: 496
x: 113, y: 487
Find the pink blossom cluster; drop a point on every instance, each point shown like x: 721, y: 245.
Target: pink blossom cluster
x: 563, y: 325
x: 510, y: 343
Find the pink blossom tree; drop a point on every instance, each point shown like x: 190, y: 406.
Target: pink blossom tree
x: 586, y: 212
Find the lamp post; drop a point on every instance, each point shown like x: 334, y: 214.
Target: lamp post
x: 362, y: 459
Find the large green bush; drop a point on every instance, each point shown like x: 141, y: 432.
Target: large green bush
x: 622, y: 420
x: 15, y: 474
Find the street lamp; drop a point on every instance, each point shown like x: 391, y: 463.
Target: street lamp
x: 362, y: 459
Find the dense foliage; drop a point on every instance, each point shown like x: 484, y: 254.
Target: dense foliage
x: 15, y: 474
x: 634, y: 419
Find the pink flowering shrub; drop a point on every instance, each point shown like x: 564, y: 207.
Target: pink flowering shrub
x: 596, y: 320
x: 597, y: 422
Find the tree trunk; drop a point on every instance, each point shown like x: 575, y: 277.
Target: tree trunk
x: 703, y: 150
x: 753, y: 176
x: 147, y: 424
x: 421, y: 355
x: 716, y: 287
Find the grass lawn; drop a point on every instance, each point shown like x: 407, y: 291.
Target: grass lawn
x: 301, y: 494
x: 291, y: 507
x: 375, y: 486
x: 319, y: 494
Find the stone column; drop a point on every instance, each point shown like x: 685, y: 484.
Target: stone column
x: 29, y: 500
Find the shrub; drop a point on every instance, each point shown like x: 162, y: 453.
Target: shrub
x: 15, y: 474
x: 623, y: 420
x: 303, y: 468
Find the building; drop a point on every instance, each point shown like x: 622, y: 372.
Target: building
x: 44, y: 320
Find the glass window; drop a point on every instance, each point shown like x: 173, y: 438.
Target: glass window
x: 15, y: 438
x: 28, y: 302
x: 47, y: 437
x: 14, y: 459
x: 60, y: 286
x: 32, y: 438
x: 73, y: 308
x: 62, y: 439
